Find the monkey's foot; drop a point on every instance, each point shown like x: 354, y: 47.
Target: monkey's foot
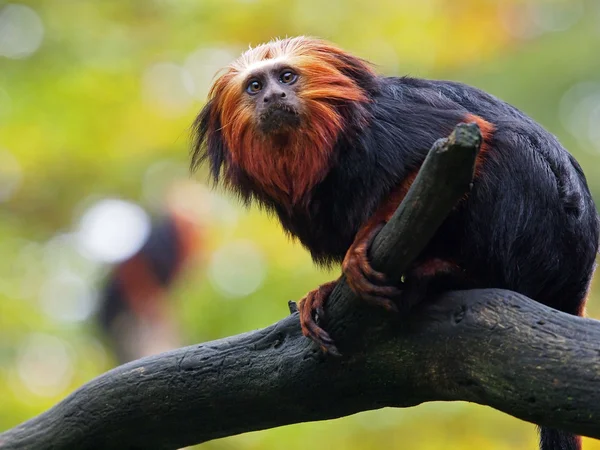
x: 312, y: 305
x: 366, y: 282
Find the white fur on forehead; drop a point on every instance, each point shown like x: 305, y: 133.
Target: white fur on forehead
x: 277, y: 49
x: 245, y: 71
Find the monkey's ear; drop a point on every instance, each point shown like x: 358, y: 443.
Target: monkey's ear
x: 208, y: 143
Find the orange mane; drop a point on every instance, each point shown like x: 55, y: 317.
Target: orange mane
x: 286, y: 169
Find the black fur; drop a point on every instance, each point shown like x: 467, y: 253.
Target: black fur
x: 528, y: 225
x: 558, y: 440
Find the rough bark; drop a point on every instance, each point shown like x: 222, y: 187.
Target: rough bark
x: 491, y: 347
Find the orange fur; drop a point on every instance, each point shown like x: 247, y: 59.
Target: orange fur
x: 581, y: 311
x: 287, y: 168
x: 487, y: 131
x: 434, y: 266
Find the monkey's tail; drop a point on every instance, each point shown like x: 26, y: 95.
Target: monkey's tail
x: 552, y: 439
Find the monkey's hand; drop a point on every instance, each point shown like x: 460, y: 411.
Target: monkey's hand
x: 311, y: 305
x: 365, y: 281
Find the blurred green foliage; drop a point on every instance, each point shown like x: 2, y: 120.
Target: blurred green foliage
x: 111, y: 89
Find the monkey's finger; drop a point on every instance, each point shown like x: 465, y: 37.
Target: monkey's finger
x: 320, y: 312
x: 319, y: 335
x: 321, y: 297
x: 309, y: 326
x: 358, y: 263
x: 370, y: 273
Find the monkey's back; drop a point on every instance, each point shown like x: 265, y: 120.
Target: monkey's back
x: 530, y: 223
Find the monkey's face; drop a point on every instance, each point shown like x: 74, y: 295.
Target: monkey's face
x: 293, y: 90
x: 277, y: 112
x: 273, y: 91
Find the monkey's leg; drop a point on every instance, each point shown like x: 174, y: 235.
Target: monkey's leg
x: 311, y: 305
x: 366, y: 282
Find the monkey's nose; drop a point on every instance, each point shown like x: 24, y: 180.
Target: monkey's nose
x: 273, y: 95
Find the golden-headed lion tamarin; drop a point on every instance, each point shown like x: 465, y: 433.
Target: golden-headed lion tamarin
x: 312, y: 133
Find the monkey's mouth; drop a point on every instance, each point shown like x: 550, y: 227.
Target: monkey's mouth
x: 279, y: 118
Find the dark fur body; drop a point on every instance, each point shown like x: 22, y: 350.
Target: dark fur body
x: 529, y: 224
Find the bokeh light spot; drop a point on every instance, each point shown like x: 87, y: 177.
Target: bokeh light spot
x: 203, y: 65
x: 167, y: 87
x: 44, y: 365
x: 61, y: 253
x: 21, y: 31
x: 558, y: 15
x: 112, y: 230
x: 67, y: 297
x: 579, y: 112
x: 28, y: 270
x: 237, y: 269
x: 158, y: 179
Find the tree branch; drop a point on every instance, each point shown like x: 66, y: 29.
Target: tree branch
x: 491, y: 347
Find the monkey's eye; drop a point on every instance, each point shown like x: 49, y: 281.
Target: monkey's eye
x: 288, y: 77
x: 254, y: 86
